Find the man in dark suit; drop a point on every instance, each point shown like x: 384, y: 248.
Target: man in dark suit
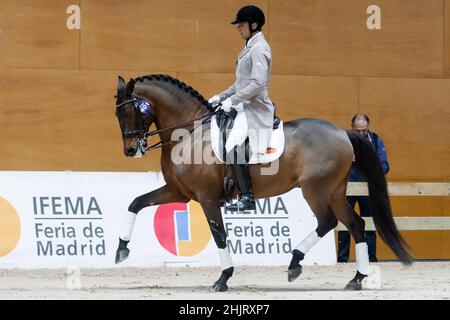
x: 360, y: 124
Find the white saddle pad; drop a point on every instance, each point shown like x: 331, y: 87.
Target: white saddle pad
x: 238, y: 135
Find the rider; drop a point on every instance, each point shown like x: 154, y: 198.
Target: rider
x: 251, y: 89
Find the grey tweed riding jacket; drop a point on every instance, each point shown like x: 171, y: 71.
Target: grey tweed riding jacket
x: 253, y: 70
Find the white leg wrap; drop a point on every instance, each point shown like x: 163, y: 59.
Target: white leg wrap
x: 362, y: 258
x: 127, y: 226
x: 308, y: 242
x: 225, y: 258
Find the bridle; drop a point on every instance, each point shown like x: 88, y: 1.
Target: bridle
x: 146, y: 134
x: 132, y: 133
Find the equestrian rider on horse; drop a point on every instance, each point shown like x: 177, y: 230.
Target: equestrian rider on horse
x: 251, y: 89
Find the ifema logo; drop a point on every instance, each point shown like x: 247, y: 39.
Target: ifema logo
x: 9, y: 227
x: 181, y: 228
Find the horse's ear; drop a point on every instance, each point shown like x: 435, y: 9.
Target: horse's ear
x: 130, y: 85
x: 121, y: 85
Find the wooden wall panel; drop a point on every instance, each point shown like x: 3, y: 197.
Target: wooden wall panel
x: 331, y: 98
x: 446, y: 206
x: 447, y: 40
x: 446, y: 234
x: 208, y: 84
x: 445, y: 245
x: 412, y: 116
x: 33, y: 34
x: 178, y: 36
x: 409, y: 206
x: 330, y: 37
x: 63, y: 120
x: 423, y: 245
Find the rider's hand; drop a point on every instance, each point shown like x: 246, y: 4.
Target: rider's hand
x: 227, y: 105
x: 214, y: 100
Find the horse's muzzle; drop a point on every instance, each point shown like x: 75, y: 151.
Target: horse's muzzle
x: 130, y: 152
x: 138, y: 151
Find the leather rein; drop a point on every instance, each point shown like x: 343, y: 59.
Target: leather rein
x: 146, y: 134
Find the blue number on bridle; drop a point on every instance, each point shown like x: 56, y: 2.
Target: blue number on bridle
x: 144, y: 108
x: 142, y: 105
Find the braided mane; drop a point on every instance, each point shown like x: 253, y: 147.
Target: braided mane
x: 177, y: 83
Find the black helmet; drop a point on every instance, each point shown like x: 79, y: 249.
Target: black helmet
x: 250, y: 14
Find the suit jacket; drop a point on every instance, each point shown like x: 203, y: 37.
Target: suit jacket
x: 253, y: 68
x: 380, y: 149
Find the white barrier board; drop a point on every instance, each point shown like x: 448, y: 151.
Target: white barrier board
x: 61, y: 219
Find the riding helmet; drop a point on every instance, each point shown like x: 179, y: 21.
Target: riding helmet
x: 250, y: 14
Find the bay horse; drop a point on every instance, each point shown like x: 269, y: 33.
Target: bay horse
x: 317, y: 158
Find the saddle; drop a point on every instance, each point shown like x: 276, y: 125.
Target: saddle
x: 222, y: 126
x: 228, y: 130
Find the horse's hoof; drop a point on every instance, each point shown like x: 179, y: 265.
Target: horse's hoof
x: 122, y: 254
x: 353, y: 285
x: 218, y: 287
x: 294, y: 273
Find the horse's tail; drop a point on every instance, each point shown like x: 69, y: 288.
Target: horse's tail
x: 369, y: 166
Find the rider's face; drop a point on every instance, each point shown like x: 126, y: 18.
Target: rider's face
x: 244, y: 30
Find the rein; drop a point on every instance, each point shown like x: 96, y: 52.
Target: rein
x: 161, y: 144
x: 147, y: 134
x: 152, y: 133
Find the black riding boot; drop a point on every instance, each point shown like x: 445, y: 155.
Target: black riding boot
x: 246, y: 200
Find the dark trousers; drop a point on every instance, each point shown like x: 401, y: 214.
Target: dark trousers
x: 344, y: 236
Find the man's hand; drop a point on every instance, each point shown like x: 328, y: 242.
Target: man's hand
x: 214, y: 100
x: 227, y: 105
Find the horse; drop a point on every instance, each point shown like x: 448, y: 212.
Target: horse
x: 317, y: 158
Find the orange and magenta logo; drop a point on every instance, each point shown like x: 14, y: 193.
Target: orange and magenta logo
x: 181, y: 228
x: 9, y: 227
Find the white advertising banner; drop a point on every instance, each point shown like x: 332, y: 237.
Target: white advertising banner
x: 62, y: 219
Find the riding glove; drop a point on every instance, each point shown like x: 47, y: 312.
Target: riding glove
x: 214, y: 100
x: 227, y: 105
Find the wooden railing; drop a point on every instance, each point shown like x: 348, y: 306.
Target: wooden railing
x: 407, y: 189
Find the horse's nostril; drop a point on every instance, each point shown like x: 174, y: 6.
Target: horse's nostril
x: 130, y: 152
